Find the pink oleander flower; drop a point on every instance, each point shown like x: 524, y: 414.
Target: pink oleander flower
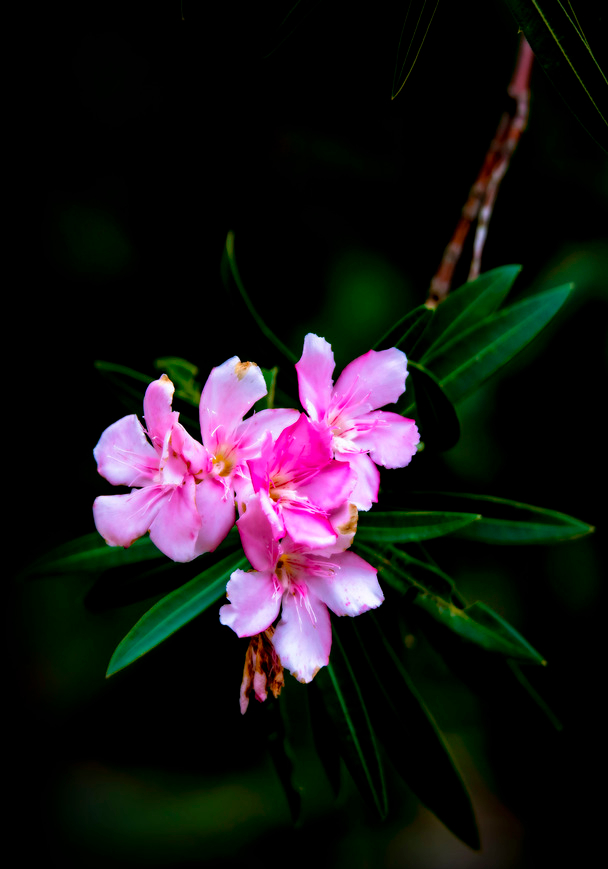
x: 301, y: 585
x: 300, y: 485
x: 166, y: 467
x: 183, y: 491
x: 360, y: 434
x: 229, y: 394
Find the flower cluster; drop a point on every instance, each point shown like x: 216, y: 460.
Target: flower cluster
x: 295, y: 479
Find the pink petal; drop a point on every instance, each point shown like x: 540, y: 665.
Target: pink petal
x: 308, y: 528
x: 302, y: 641
x: 366, y: 488
x: 392, y: 441
x: 123, y: 519
x: 301, y: 447
x: 230, y: 392
x: 157, y: 409
x: 330, y: 487
x: 372, y: 380
x: 254, y: 602
x: 352, y: 589
x: 258, y: 529
x: 124, y: 455
x: 215, y: 506
x: 251, y: 434
x: 177, y: 524
x: 315, y: 370
x: 344, y: 522
x: 196, y: 458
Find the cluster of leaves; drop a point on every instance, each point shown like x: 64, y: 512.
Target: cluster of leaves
x: 555, y: 29
x: 366, y: 698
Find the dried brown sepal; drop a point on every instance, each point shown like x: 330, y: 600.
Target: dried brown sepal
x: 263, y: 670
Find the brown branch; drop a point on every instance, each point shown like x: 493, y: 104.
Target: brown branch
x: 482, y: 195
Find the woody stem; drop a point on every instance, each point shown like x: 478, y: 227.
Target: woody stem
x: 482, y: 195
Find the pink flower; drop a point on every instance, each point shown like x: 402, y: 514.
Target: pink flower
x: 171, y: 470
x: 360, y: 434
x: 229, y: 394
x: 301, y: 585
x: 300, y: 484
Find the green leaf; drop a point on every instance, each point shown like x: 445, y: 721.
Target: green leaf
x: 408, y: 731
x: 270, y: 379
x: 468, y: 305
x: 511, y: 522
x: 91, y: 554
x: 465, y: 362
x: 404, y: 527
x: 406, y: 332
x: 348, y: 712
x: 563, y: 50
x: 435, y: 592
x: 434, y: 412
x: 174, y: 611
x: 479, y: 624
x: 182, y: 373
x: 405, y: 573
x: 264, y: 329
x: 417, y: 27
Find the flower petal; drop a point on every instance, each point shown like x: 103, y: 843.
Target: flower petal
x: 123, y: 519
x: 215, y: 506
x: 392, y: 440
x: 330, y: 487
x: 308, y: 528
x: 124, y: 455
x: 177, y: 524
x: 230, y: 392
x: 303, y: 642
x: 367, y: 486
x: 252, y: 432
x: 315, y: 370
x: 352, y: 589
x: 259, y: 528
x: 254, y: 602
x: 157, y: 409
x: 371, y: 381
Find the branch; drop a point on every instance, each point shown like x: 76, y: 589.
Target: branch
x: 482, y: 195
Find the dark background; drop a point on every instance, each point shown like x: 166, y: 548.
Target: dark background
x: 142, y: 139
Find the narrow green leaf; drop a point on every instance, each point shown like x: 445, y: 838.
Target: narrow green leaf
x: 434, y: 412
x: 91, y: 554
x: 511, y: 522
x: 231, y: 259
x: 404, y: 527
x: 465, y: 362
x: 409, y: 733
x: 403, y: 572
x: 406, y: 332
x: 468, y: 305
x: 563, y: 50
x: 416, y: 27
x: 182, y: 373
x: 270, y: 379
x: 174, y: 611
x: 435, y: 592
x: 479, y: 624
x: 115, y: 368
x: 348, y: 713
